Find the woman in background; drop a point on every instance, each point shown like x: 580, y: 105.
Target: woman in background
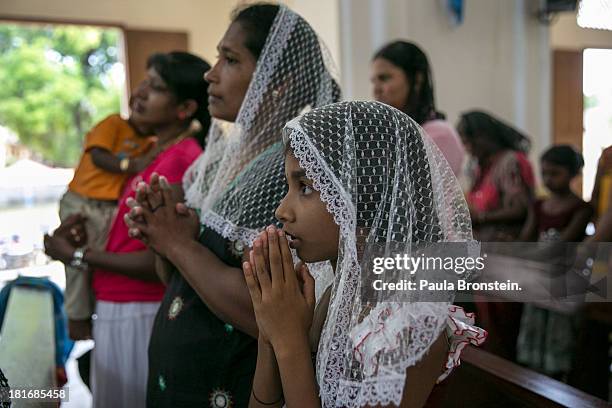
x: 499, y: 199
x: 502, y: 181
x: 401, y: 77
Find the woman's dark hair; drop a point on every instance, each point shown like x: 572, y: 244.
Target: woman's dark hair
x: 566, y: 156
x: 407, y: 56
x: 479, y: 123
x: 183, y: 73
x: 256, y: 20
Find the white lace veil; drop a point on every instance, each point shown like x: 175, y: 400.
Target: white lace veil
x: 390, y: 190
x: 238, y: 181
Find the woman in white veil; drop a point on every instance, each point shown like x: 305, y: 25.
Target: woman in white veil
x: 203, y: 349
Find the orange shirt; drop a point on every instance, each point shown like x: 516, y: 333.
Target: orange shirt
x: 117, y: 136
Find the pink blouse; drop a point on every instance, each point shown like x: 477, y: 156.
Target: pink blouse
x: 448, y: 141
x: 113, y: 287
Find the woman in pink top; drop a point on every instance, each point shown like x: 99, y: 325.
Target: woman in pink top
x: 499, y: 198
x: 401, y: 77
x: 502, y: 183
x: 126, y: 286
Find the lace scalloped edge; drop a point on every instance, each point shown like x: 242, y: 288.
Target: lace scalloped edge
x: 331, y: 192
x: 273, y: 52
x: 227, y: 229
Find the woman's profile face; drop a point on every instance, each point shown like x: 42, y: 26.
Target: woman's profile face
x: 153, y: 103
x: 389, y: 83
x: 229, y: 79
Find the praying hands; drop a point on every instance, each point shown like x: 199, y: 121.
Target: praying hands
x: 158, y: 218
x: 283, y: 295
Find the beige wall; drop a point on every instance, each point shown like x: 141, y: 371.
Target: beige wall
x: 566, y: 34
x: 205, y: 21
x: 498, y: 59
x: 324, y: 16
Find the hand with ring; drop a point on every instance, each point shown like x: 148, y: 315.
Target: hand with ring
x: 164, y: 224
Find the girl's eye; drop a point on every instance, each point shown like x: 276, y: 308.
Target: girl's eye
x: 231, y: 60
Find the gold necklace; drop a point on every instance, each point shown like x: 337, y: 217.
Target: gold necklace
x: 183, y: 135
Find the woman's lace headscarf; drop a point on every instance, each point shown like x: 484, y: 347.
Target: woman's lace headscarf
x: 390, y: 191
x: 238, y: 181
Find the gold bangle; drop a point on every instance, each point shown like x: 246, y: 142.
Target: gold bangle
x: 124, y: 164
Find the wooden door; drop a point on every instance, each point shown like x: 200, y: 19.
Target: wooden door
x: 568, y: 102
x: 140, y: 44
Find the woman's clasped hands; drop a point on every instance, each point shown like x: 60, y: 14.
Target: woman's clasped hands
x: 158, y: 218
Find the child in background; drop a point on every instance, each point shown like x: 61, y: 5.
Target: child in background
x: 546, y: 337
x: 114, y: 149
x: 562, y: 216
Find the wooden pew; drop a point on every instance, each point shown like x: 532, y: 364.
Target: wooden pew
x: 486, y: 380
x: 27, y: 342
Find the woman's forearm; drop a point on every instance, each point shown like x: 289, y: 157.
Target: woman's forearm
x: 298, y: 375
x: 422, y: 377
x: 596, y: 191
x: 267, y: 387
x: 137, y: 265
x: 529, y: 228
x: 603, y: 228
x: 221, y: 287
x: 163, y: 269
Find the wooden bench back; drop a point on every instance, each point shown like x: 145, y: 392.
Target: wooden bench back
x: 486, y: 380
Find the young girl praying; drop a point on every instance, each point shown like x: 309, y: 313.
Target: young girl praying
x: 363, y: 182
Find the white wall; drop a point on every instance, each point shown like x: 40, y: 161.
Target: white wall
x: 498, y: 59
